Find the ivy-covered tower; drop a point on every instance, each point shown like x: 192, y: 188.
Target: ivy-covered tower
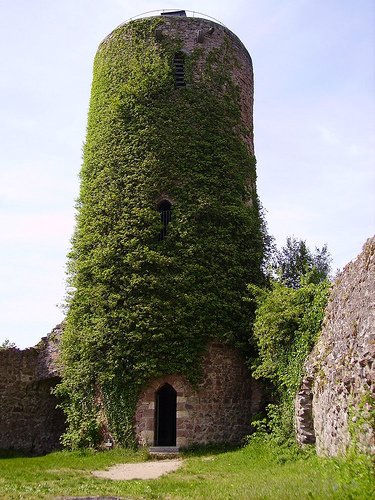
x: 168, y: 236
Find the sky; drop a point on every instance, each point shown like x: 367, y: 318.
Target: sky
x: 314, y: 123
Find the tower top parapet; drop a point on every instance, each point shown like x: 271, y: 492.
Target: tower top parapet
x: 174, y: 13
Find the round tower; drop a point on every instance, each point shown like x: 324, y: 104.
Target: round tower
x: 168, y: 236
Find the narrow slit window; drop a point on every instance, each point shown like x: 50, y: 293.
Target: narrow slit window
x: 179, y: 70
x: 165, y: 209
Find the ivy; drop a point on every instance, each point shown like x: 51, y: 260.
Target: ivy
x: 287, y: 324
x: 141, y: 307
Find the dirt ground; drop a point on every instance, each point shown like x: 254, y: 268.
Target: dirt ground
x: 143, y: 470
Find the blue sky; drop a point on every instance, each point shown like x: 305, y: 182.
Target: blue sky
x: 314, y: 118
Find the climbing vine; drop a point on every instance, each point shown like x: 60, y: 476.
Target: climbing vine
x: 142, y: 308
x: 287, y: 324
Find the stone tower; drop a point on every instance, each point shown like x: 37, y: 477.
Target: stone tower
x: 168, y: 236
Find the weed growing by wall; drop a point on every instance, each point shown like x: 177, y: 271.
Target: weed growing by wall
x: 287, y: 324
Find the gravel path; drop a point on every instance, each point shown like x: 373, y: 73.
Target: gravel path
x: 143, y: 470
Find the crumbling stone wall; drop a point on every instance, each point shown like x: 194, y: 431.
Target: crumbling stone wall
x: 335, y: 401
x: 29, y: 420
x: 217, y: 411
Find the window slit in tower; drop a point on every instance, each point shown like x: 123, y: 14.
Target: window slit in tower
x: 179, y: 70
x: 165, y: 209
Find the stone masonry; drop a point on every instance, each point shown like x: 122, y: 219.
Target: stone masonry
x: 334, y: 406
x: 218, y: 410
x: 29, y: 420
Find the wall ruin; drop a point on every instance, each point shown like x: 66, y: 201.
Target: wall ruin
x: 334, y: 404
x: 29, y: 420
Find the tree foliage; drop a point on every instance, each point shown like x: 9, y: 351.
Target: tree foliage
x: 295, y: 260
x: 288, y: 322
x: 7, y: 344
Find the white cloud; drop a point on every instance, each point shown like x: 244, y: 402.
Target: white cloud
x: 329, y: 136
x: 49, y: 229
x: 36, y: 185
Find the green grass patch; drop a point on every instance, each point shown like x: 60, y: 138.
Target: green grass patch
x: 261, y: 470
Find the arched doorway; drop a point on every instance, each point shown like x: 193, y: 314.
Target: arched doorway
x: 165, y: 417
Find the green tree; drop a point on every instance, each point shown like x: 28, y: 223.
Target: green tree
x: 288, y: 321
x: 296, y: 260
x: 7, y: 344
x: 287, y: 324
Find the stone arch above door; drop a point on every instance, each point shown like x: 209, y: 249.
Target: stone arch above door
x: 145, y: 421
x: 218, y: 411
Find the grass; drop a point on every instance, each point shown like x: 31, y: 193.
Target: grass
x: 261, y: 470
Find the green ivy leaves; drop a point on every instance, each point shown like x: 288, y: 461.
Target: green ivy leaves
x: 144, y: 308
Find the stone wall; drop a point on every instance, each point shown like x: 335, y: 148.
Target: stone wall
x: 335, y: 401
x: 219, y: 411
x: 29, y: 420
